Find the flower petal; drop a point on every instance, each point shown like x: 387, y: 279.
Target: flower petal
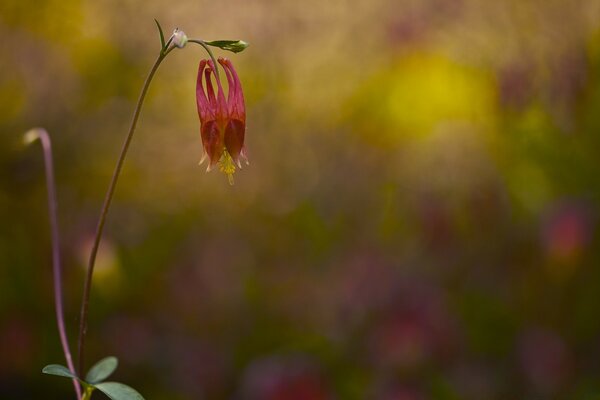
x: 234, y: 138
x: 209, y: 87
x: 212, y: 142
x: 236, y: 100
x: 230, y: 82
x: 220, y: 103
x: 204, y: 110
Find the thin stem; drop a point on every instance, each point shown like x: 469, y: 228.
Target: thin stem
x: 210, y: 53
x: 41, y: 134
x: 109, y: 195
x: 106, y: 205
x: 88, y: 393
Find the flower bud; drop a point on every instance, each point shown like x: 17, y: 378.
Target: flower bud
x: 31, y: 136
x: 179, y: 38
x: 235, y: 46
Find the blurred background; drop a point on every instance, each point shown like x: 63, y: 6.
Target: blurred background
x: 418, y: 221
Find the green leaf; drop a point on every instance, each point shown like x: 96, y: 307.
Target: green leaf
x: 118, y: 391
x: 58, y: 370
x: 102, y: 370
x: 162, y: 36
x: 235, y: 46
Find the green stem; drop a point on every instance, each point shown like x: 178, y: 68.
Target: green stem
x: 106, y: 205
x: 210, y: 53
x: 88, y: 393
x: 83, y: 316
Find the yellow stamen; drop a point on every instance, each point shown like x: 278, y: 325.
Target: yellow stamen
x: 227, y: 166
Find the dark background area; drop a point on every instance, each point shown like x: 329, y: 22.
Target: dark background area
x: 418, y: 221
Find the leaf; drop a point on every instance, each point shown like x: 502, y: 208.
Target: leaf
x: 58, y: 370
x: 102, y: 370
x: 162, y: 36
x: 235, y: 46
x: 118, y: 391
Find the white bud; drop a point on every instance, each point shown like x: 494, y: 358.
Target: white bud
x: 179, y: 38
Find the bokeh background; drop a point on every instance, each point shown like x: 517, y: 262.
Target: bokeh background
x: 419, y: 219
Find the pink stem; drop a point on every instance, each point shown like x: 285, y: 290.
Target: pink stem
x: 56, y: 265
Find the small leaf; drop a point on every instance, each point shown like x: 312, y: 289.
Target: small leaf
x: 235, y: 46
x: 162, y: 36
x: 58, y: 370
x: 118, y: 391
x: 102, y: 370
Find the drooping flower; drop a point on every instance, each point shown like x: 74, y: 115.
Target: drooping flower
x: 222, y: 119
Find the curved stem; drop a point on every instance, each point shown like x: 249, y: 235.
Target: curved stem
x: 109, y: 195
x: 106, y: 205
x: 210, y: 53
x: 44, y: 138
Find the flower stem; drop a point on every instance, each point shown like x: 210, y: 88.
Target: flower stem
x: 44, y: 138
x: 111, y: 189
x: 210, y: 53
x: 106, y: 205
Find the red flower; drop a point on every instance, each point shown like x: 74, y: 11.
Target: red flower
x: 222, y: 120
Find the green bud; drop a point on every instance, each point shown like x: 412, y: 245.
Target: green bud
x: 235, y: 46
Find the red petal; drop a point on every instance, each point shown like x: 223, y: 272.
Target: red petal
x: 221, y: 111
x: 204, y: 110
x: 211, y: 141
x: 209, y: 87
x: 237, y: 106
x: 230, y: 82
x: 234, y: 138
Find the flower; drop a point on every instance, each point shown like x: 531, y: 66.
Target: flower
x: 222, y: 120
